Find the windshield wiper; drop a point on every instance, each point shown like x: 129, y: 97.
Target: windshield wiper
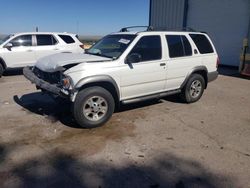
x: 98, y: 54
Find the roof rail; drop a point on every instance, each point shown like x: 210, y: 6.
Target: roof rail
x: 125, y: 29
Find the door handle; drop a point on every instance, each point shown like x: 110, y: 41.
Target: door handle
x: 56, y: 49
x: 163, y: 64
x: 29, y: 50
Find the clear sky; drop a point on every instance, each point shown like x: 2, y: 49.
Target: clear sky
x: 84, y: 17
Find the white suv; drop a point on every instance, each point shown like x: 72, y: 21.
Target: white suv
x: 25, y: 49
x: 127, y: 67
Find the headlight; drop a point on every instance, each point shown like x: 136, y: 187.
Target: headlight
x: 66, y: 83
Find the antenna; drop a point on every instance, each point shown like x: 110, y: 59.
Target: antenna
x: 77, y: 27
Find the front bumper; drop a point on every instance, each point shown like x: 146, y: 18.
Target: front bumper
x: 211, y: 76
x: 51, y: 88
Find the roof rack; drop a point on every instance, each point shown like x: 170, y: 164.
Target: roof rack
x: 151, y: 28
x: 176, y: 29
x: 126, y: 29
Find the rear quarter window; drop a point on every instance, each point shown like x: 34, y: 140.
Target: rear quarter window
x: 67, y: 39
x: 202, y: 43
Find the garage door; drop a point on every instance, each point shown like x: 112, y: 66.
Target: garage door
x: 226, y: 21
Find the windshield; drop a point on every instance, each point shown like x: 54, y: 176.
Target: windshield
x: 5, y: 39
x: 111, y: 46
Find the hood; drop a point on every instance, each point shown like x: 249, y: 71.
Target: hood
x: 56, y: 62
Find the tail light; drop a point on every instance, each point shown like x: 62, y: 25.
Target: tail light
x: 82, y: 46
x: 218, y: 62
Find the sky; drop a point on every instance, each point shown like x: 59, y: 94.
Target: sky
x: 83, y: 17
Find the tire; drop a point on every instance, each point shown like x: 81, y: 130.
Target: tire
x: 1, y: 70
x: 93, y: 107
x: 193, y: 89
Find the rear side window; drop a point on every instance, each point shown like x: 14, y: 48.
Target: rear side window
x: 67, y: 39
x: 45, y: 40
x: 24, y: 40
x: 179, y: 46
x: 202, y: 43
x: 149, y: 47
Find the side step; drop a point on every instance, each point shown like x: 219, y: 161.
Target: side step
x: 154, y: 96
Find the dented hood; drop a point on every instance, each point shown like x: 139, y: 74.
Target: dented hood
x: 56, y: 62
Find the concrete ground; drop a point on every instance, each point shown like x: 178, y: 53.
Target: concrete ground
x: 155, y: 144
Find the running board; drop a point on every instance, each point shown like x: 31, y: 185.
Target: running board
x: 154, y: 96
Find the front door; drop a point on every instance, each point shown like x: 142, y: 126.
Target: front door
x: 148, y: 75
x: 21, y: 53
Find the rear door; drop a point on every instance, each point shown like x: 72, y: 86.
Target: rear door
x: 182, y: 57
x: 46, y: 44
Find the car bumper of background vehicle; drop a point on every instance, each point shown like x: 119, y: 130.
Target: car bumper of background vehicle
x: 28, y: 73
x: 211, y: 76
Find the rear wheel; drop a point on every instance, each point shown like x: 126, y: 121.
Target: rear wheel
x: 93, y: 107
x: 193, y: 89
x: 1, y: 70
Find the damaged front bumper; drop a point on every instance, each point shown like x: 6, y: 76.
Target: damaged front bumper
x: 41, y: 84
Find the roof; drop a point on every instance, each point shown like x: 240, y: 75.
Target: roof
x: 37, y: 33
x: 125, y: 33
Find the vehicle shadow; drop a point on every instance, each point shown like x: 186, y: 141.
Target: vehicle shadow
x: 60, y: 169
x: 60, y: 110
x: 172, y: 98
x: 45, y: 105
x: 231, y: 71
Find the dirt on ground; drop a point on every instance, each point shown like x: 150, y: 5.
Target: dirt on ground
x: 159, y: 143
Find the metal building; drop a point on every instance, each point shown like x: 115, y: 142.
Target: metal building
x: 226, y: 21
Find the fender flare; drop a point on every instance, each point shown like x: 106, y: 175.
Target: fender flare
x: 195, y: 69
x: 98, y: 78
x: 3, y: 63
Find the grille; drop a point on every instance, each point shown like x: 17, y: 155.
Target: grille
x: 51, y: 77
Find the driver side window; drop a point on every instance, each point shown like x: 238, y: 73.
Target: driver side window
x: 148, y: 48
x: 24, y: 40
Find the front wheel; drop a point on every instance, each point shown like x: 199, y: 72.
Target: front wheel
x: 93, y: 107
x: 193, y: 89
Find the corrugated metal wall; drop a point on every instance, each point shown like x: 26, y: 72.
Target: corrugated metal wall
x: 226, y: 22
x: 167, y: 14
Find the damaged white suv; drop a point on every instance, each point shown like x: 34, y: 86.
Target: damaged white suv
x: 127, y: 67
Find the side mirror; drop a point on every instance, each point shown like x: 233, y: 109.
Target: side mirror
x: 133, y: 58
x: 9, y: 46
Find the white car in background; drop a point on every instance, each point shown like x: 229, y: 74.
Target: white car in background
x: 24, y: 49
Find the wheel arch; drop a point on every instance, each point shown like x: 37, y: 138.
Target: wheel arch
x: 103, y: 81
x: 2, y: 62
x: 202, y: 70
